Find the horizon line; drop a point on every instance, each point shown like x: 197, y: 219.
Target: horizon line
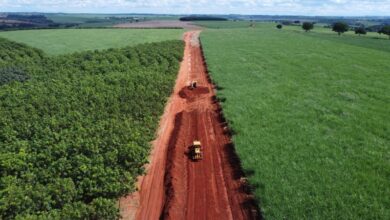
x: 201, y: 14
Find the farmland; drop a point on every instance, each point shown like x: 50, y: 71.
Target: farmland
x: 320, y: 31
x: 310, y: 116
x: 223, y: 24
x: 75, y: 129
x: 87, y: 19
x: 62, y: 41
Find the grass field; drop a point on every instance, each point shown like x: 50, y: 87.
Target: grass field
x: 311, y: 119
x: 371, y: 40
x: 63, y: 41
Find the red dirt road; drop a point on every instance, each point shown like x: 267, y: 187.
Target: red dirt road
x: 176, y: 187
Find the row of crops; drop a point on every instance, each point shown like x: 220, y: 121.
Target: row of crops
x: 75, y: 129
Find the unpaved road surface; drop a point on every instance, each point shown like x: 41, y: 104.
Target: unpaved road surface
x: 176, y: 187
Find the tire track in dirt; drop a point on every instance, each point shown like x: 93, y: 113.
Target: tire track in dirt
x: 176, y: 187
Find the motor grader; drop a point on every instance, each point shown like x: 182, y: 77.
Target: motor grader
x: 196, y: 152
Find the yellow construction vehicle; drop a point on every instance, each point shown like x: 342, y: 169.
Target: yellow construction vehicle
x: 196, y: 151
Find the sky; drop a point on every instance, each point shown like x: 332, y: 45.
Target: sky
x: 260, y: 7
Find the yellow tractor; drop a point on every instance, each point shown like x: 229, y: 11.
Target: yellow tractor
x: 196, y: 151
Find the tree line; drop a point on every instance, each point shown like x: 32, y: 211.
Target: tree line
x: 342, y: 27
x: 75, y: 130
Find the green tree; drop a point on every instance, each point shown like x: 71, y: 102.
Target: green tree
x: 360, y: 31
x: 386, y: 30
x: 340, y: 27
x: 279, y: 26
x: 307, y: 26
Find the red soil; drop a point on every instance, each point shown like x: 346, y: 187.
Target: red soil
x: 192, y: 95
x: 176, y: 187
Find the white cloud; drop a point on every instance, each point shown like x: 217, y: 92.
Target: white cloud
x: 294, y: 7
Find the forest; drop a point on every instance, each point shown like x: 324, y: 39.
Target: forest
x: 75, y: 129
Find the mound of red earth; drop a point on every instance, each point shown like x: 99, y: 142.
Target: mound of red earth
x: 191, y: 94
x: 176, y: 187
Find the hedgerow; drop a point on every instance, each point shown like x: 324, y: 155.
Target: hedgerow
x: 74, y: 137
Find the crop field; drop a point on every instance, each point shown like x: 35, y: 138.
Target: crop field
x: 75, y: 129
x: 310, y: 116
x: 62, y: 41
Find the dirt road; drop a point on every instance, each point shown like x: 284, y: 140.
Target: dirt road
x: 177, y: 187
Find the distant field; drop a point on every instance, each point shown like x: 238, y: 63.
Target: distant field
x: 371, y: 40
x: 64, y: 41
x: 323, y: 30
x: 103, y: 20
x: 160, y: 24
x: 72, y: 18
x: 223, y: 24
x: 81, y: 18
x: 310, y: 112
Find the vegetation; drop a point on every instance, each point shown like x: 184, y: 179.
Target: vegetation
x: 10, y: 74
x: 19, y: 21
x: 307, y: 26
x: 202, y: 18
x: 385, y: 30
x: 103, y: 20
x: 310, y: 122
x: 340, y: 27
x: 223, y: 24
x: 369, y: 41
x: 279, y: 26
x: 15, y: 60
x: 74, y: 137
x: 75, y: 40
x: 360, y: 31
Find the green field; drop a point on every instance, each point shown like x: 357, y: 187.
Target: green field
x: 64, y: 41
x: 310, y: 113
x: 328, y: 31
x: 103, y: 20
x: 82, y: 18
x: 223, y: 24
